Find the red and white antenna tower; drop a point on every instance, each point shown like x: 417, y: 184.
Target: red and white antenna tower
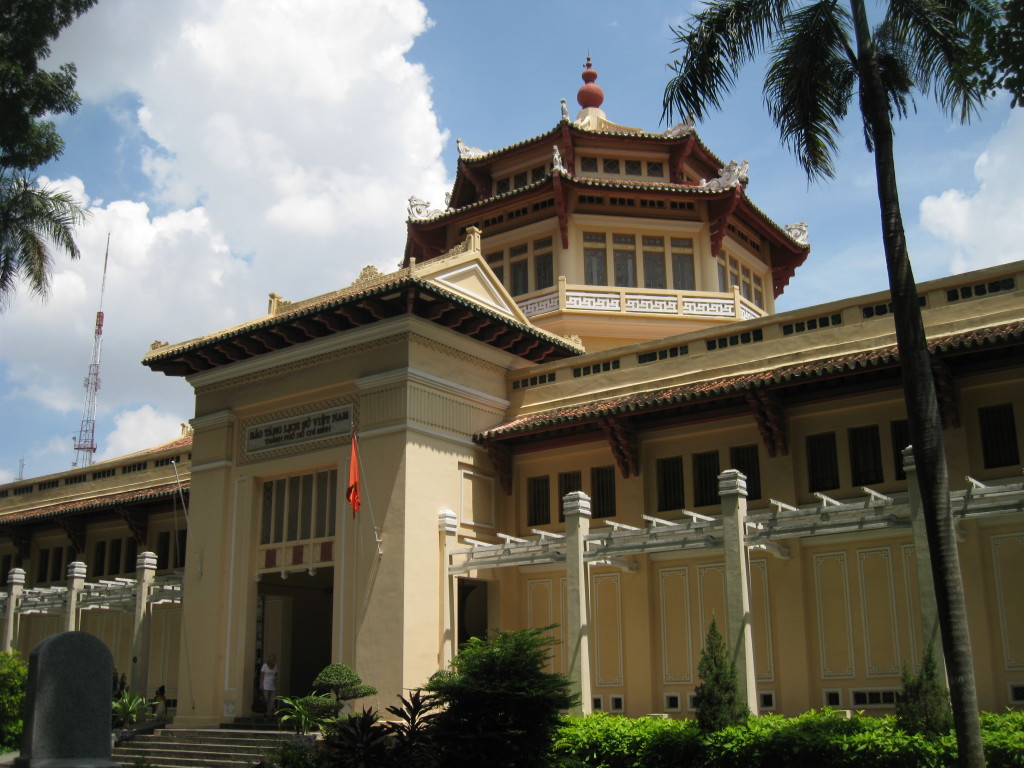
x: 85, y: 445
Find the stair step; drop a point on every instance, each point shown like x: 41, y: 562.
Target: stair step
x: 199, y: 748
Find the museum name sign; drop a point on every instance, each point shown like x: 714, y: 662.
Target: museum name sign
x: 296, y: 430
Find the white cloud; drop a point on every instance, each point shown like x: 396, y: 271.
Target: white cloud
x: 984, y: 225
x: 139, y: 428
x: 275, y: 134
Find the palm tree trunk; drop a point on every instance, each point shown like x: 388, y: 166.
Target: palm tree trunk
x: 922, y: 409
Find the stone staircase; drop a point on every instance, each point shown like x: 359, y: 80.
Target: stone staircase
x: 197, y: 748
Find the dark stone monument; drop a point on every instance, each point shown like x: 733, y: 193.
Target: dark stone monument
x: 67, y: 707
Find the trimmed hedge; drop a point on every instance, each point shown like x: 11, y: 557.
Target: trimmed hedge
x: 823, y: 738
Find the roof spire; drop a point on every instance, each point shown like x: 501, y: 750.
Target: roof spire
x: 590, y: 93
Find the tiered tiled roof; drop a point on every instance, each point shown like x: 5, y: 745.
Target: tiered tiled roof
x: 887, y: 357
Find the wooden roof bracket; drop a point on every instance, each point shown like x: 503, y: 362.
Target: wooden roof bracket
x: 676, y: 159
x: 622, y: 439
x: 771, y: 422
x: 137, y: 523
x: 568, y: 149
x: 945, y: 393
x: 561, y: 207
x: 501, y: 459
x: 719, y: 220
x: 74, y: 528
x: 21, y: 538
x: 481, y: 181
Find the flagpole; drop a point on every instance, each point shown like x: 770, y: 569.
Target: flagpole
x: 361, y: 482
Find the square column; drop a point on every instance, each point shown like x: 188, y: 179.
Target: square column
x: 15, y: 586
x: 732, y: 486
x: 576, y: 509
x: 76, y: 583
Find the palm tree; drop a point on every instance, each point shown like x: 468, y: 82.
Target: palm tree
x: 822, y: 54
x: 32, y: 219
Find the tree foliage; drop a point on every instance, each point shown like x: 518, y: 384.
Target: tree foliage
x: 499, y: 707
x: 717, y: 696
x: 33, y: 219
x: 28, y: 93
x: 1004, y: 49
x: 923, y: 704
x: 13, y: 681
x: 822, y: 55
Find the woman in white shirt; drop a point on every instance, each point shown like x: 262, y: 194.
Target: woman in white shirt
x: 268, y: 682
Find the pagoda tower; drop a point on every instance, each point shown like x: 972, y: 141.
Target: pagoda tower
x: 612, y: 234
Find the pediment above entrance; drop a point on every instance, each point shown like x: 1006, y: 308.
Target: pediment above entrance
x: 465, y: 273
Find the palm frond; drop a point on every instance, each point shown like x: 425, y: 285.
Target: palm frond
x: 32, y: 219
x: 944, y: 57
x: 716, y: 43
x: 809, y: 83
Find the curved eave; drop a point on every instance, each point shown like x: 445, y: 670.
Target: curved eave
x: 109, y: 502
x: 391, y: 298
x: 588, y: 417
x: 787, y: 254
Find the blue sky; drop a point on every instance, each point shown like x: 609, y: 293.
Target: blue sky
x: 236, y: 148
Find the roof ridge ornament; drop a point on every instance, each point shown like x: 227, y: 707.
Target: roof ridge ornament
x: 420, y: 209
x: 797, y: 231
x: 556, y: 160
x: 734, y: 173
x: 565, y: 111
x: 679, y: 130
x: 590, y: 93
x: 467, y: 152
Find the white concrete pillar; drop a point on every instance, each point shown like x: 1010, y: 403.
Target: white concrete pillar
x: 576, y: 509
x: 15, y: 586
x: 448, y: 527
x: 732, y: 487
x: 76, y: 583
x: 145, y: 573
x: 927, y: 605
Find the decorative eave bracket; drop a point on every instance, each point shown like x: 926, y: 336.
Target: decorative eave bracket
x: 771, y: 421
x: 719, y: 214
x: 622, y: 439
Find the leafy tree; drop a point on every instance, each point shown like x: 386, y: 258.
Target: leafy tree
x: 499, y: 706
x: 13, y: 681
x: 923, y: 704
x: 27, y: 92
x: 717, y: 697
x: 1004, y: 44
x: 32, y: 220
x: 823, y: 54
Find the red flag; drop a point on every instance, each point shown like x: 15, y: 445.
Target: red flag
x: 352, y: 492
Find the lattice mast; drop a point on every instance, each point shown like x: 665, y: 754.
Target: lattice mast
x: 85, y: 444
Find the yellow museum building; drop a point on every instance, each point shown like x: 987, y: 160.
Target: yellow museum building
x: 574, y: 406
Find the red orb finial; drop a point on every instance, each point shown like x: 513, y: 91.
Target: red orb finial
x: 590, y: 94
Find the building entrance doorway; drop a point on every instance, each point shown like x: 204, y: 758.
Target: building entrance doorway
x: 472, y: 610
x: 293, y: 620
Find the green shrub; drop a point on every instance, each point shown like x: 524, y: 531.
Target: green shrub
x: 499, y: 707
x: 717, y: 697
x: 923, y: 704
x: 815, y: 738
x: 358, y: 741
x: 306, y: 713
x: 298, y: 754
x: 13, y: 677
x: 127, y: 708
x: 611, y: 741
x: 1003, y: 735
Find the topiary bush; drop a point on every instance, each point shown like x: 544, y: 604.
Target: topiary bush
x: 342, y: 681
x: 13, y: 680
